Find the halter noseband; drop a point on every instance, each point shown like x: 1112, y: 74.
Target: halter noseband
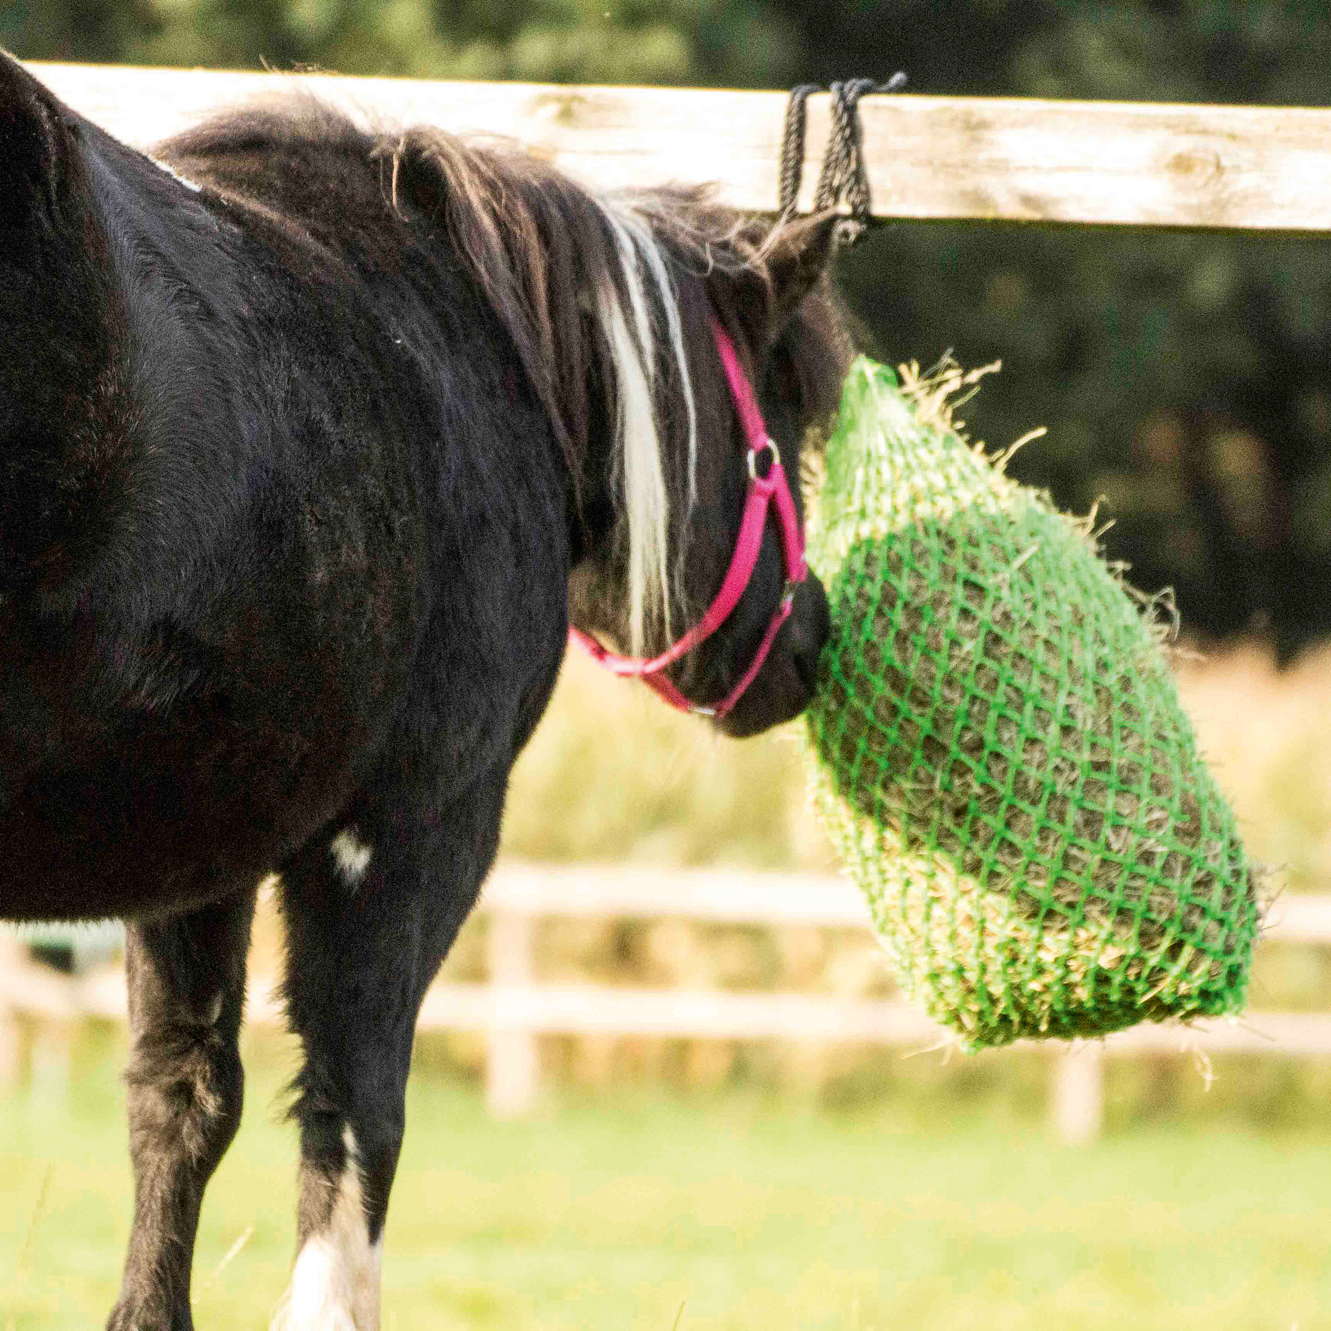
x: 764, y: 489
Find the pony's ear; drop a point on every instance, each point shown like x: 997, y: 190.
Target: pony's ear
x: 36, y: 148
x: 785, y: 267
x: 796, y: 256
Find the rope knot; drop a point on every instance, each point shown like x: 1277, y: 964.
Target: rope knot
x: 844, y: 180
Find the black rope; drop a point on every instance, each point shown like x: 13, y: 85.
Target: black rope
x: 792, y: 149
x: 844, y: 180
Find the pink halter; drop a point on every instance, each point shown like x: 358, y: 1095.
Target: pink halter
x: 763, y: 490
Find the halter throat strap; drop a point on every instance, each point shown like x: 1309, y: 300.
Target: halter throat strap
x: 768, y: 488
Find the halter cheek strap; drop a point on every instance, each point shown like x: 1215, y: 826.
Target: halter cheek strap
x: 766, y: 488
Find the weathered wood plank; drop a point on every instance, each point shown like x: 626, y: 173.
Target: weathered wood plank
x: 932, y: 158
x: 640, y: 891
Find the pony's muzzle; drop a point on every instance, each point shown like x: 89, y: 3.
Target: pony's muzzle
x: 785, y: 685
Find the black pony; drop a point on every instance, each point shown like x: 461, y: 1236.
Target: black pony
x: 312, y: 443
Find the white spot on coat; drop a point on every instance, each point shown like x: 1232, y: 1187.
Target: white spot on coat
x: 175, y: 175
x: 335, y: 1283
x: 352, y: 855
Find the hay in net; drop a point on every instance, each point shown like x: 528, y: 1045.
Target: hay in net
x: 1002, y: 757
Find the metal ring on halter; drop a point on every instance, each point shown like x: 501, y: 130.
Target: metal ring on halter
x: 769, y: 447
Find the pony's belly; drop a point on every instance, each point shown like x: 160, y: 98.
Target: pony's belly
x: 57, y: 870
x: 138, y: 839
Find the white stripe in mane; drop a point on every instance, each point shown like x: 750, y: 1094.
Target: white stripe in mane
x: 632, y: 338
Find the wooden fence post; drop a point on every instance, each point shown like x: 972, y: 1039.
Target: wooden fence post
x: 1078, y: 1092
x: 11, y: 1033
x: 512, y: 1067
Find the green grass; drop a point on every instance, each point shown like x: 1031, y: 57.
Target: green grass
x: 613, y: 1213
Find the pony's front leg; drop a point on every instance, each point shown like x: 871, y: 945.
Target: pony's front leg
x: 371, y: 909
x: 186, y: 997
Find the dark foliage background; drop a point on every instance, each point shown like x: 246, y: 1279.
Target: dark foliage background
x: 1184, y: 378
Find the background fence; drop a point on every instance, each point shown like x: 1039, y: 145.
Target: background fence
x: 513, y: 1008
x: 1247, y: 168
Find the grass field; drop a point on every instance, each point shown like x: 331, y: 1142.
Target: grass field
x: 903, y: 1194
x: 618, y: 1213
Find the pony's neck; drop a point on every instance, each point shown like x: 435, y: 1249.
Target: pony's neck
x: 588, y: 297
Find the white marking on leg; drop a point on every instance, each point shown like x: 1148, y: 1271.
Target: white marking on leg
x: 352, y: 855
x: 335, y: 1283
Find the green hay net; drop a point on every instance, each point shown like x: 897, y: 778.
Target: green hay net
x: 1002, y: 758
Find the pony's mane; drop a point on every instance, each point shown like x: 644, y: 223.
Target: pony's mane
x: 584, y: 285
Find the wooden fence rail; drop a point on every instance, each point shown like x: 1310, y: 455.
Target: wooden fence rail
x: 929, y: 158
x: 514, y: 1009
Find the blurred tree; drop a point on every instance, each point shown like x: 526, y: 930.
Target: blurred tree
x: 1185, y: 378
x: 561, y: 40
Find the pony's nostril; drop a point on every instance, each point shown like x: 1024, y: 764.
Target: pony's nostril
x: 806, y: 666
x: 811, y: 635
